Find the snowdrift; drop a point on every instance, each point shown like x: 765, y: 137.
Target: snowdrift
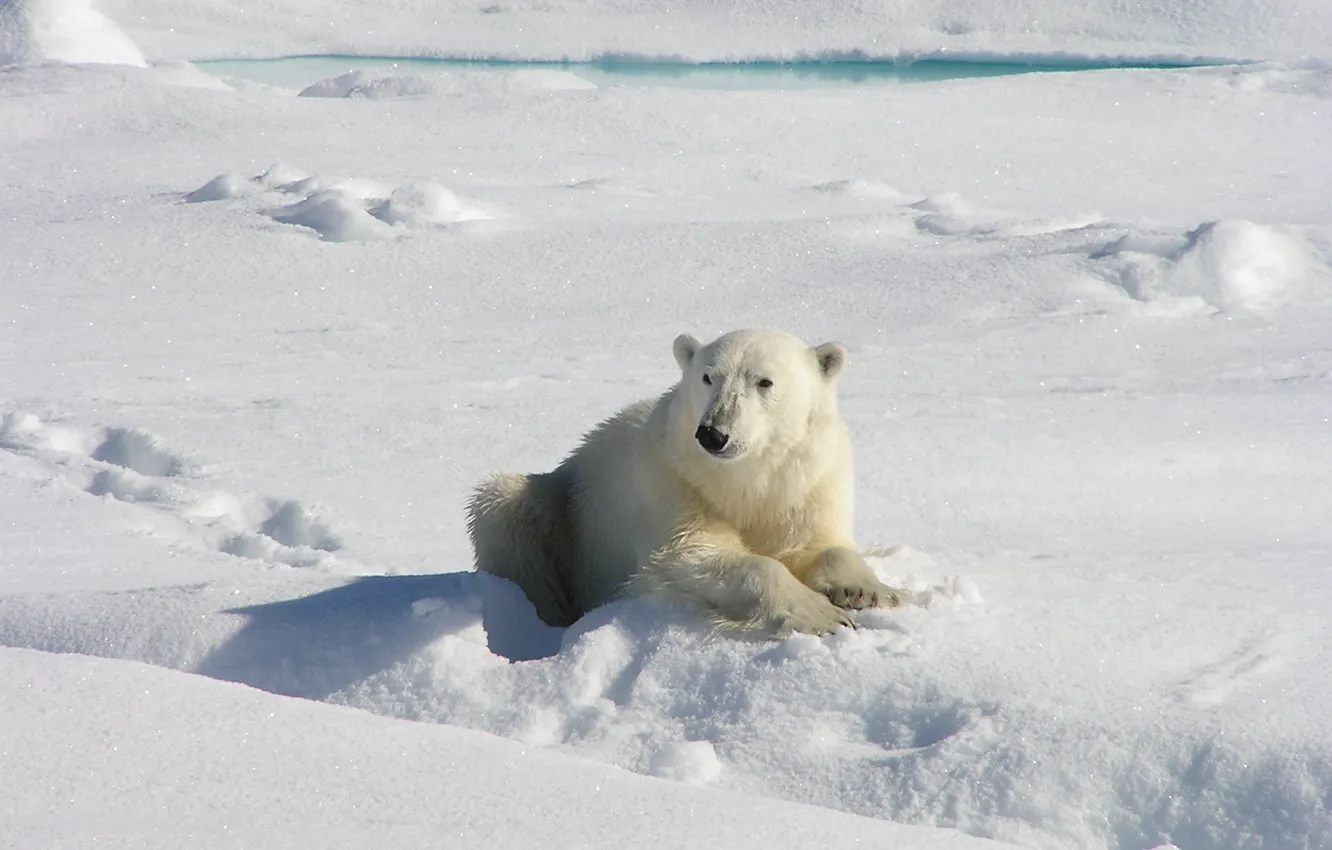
x: 62, y: 31
x: 883, y: 721
x: 147, y: 754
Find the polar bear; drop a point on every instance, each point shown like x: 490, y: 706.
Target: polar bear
x: 732, y: 491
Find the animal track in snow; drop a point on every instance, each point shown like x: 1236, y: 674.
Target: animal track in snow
x: 290, y: 526
x: 110, y: 482
x: 610, y: 186
x: 347, y: 210
x: 1214, y: 683
x: 136, y: 451
x: 1217, y: 266
x: 942, y: 215
x: 286, y: 535
x: 921, y: 726
x: 130, y: 466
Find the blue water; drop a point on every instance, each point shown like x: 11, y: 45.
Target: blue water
x: 300, y: 71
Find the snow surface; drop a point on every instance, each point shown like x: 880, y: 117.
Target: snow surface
x: 257, y: 348
x: 116, y: 754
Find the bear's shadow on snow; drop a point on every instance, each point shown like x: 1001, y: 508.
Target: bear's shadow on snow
x: 314, y: 646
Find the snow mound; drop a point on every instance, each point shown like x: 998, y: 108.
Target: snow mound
x: 1243, y: 265
x: 373, y: 85
x: 340, y: 214
x: 221, y: 187
x: 198, y: 763
x: 419, y: 205
x: 1221, y: 265
x: 232, y: 184
x: 70, y: 31
x: 336, y: 216
x: 348, y: 210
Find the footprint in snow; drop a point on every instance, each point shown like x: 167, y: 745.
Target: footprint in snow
x: 288, y: 536
x: 136, y: 451
x: 131, y: 466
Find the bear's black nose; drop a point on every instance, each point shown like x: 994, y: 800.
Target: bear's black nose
x: 710, y: 438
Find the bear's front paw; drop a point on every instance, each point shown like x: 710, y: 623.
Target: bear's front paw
x: 811, y: 614
x: 856, y: 598
x: 843, y: 576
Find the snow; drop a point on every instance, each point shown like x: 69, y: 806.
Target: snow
x: 157, y: 758
x: 63, y: 31
x: 1235, y: 265
x: 258, y: 346
x: 342, y: 210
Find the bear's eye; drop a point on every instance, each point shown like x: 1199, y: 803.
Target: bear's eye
x: 707, y: 379
x: 765, y: 383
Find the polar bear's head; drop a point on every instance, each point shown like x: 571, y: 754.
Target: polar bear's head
x: 755, y: 391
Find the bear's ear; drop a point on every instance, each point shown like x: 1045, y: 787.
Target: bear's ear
x: 832, y: 359
x: 686, y: 346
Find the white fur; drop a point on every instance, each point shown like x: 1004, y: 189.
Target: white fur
x: 758, y: 531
